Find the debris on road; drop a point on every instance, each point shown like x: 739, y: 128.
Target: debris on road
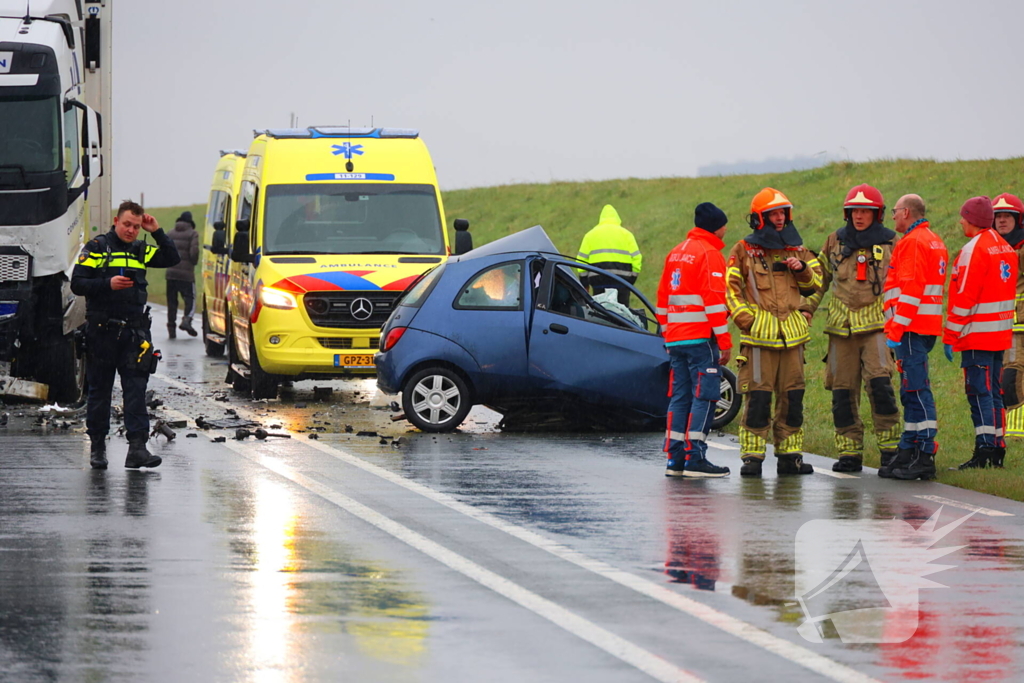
x: 161, y: 427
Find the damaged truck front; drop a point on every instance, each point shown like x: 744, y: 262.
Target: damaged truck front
x: 50, y: 150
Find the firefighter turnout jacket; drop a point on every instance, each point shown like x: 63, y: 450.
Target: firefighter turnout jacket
x: 764, y: 296
x: 105, y: 256
x: 857, y: 278
x: 691, y: 294
x: 982, y: 295
x: 611, y: 247
x: 913, y: 286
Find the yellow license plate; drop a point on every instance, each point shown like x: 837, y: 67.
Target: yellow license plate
x: 363, y: 360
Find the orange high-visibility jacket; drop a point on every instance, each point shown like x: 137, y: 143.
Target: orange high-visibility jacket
x: 982, y: 295
x: 691, y: 294
x: 913, y: 286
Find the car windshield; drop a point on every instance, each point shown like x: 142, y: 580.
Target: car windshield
x: 352, y: 219
x: 30, y: 134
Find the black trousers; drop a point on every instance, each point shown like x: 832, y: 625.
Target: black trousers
x: 113, y: 351
x: 187, y: 290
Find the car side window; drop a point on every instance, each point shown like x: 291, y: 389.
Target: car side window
x: 497, y: 288
x: 569, y: 297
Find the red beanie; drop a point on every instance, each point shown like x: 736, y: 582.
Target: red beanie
x: 978, y: 212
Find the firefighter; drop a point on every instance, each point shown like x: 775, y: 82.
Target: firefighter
x: 979, y: 324
x: 913, y: 321
x: 611, y: 247
x: 855, y: 261
x: 694, y: 319
x: 1009, y: 211
x: 768, y: 274
x: 111, y: 275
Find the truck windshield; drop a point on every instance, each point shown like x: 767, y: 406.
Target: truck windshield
x: 352, y: 219
x: 30, y: 134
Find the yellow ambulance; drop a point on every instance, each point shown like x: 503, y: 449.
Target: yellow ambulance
x: 332, y: 224
x: 227, y: 178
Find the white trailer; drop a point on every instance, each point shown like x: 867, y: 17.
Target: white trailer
x: 54, y: 194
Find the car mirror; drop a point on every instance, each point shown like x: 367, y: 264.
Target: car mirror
x: 242, y: 225
x: 220, y: 239
x: 463, y: 238
x: 240, y: 248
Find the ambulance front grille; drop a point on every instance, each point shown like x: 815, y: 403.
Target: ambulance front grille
x: 345, y: 342
x: 354, y: 310
x: 14, y: 267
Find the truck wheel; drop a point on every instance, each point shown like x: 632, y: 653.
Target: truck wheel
x: 263, y: 384
x: 436, y: 400
x: 213, y: 349
x: 237, y: 382
x: 729, y: 404
x: 65, y: 371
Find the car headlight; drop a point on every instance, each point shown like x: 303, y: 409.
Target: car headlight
x: 277, y: 298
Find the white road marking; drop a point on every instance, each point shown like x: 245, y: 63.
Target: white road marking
x: 790, y: 651
x: 966, y: 506
x: 723, y: 446
x: 836, y: 475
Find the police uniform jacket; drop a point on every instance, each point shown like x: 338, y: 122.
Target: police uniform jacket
x: 106, y: 256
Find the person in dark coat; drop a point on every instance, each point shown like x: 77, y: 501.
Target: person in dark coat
x: 181, y: 279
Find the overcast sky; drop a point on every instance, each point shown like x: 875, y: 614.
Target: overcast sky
x: 541, y: 90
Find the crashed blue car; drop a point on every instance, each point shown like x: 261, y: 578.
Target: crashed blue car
x: 509, y: 326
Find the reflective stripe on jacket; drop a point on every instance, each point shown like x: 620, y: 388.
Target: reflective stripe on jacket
x: 765, y: 301
x: 691, y: 294
x: 856, y: 304
x: 1018, y: 317
x: 982, y: 295
x: 913, y: 287
x: 609, y: 243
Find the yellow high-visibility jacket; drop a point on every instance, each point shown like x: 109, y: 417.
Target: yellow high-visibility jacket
x: 610, y: 246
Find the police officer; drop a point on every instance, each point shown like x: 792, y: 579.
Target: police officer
x: 611, y: 247
x: 855, y: 263
x: 111, y: 275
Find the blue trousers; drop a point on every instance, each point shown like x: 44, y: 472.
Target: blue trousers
x: 920, y: 422
x: 982, y: 372
x: 695, y: 385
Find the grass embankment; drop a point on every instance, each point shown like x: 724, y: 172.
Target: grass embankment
x: 660, y: 212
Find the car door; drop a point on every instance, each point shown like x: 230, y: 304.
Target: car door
x: 490, y: 323
x: 577, y: 346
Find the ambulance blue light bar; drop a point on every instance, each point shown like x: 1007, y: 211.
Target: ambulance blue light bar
x: 336, y: 132
x: 237, y: 152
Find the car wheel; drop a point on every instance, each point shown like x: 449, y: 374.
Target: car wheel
x: 436, y: 400
x: 729, y: 404
x: 237, y: 382
x: 262, y: 384
x: 213, y: 349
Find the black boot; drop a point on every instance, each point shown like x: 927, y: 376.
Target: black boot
x: 996, y: 459
x: 792, y: 463
x: 751, y: 467
x: 979, y: 459
x: 171, y: 334
x: 139, y: 455
x: 921, y: 466
x: 894, y: 460
x: 186, y: 325
x: 98, y: 452
x: 848, y: 463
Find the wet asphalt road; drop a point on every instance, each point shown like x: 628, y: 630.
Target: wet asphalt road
x: 475, y: 556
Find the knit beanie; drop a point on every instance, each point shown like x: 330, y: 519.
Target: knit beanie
x: 186, y: 217
x: 709, y: 217
x: 978, y: 212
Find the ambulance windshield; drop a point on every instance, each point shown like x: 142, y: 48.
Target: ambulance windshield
x: 29, y: 134
x: 352, y: 219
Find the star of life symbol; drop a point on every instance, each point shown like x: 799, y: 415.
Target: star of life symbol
x: 348, y: 149
x: 864, y: 575
x: 942, y: 267
x: 676, y: 278
x: 1004, y: 271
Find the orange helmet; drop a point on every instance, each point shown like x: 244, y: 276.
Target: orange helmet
x: 765, y: 201
x: 864, y: 197
x: 1008, y: 203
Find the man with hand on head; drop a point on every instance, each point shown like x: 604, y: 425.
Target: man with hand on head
x: 694, y: 320
x: 979, y: 324
x: 913, y: 321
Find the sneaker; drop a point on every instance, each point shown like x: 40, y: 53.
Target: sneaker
x: 792, y: 463
x: 894, y: 460
x: 674, y: 468
x: 848, y: 463
x: 186, y: 325
x: 703, y: 468
x: 751, y: 467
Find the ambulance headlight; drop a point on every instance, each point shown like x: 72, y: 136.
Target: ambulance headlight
x: 277, y: 298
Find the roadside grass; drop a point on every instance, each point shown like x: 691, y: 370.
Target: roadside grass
x: 660, y: 213
x: 157, y: 281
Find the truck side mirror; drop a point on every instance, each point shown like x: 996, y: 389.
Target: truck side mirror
x: 220, y: 238
x: 463, y: 239
x: 240, y: 247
